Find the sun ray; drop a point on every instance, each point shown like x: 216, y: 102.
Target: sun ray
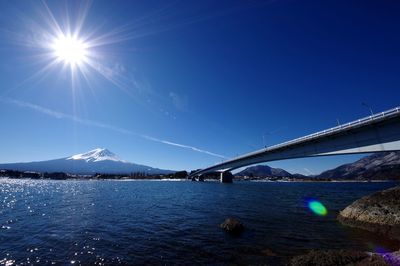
x: 53, y: 24
x: 67, y: 41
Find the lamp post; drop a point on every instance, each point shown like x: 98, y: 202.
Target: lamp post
x: 369, y: 107
x: 264, y: 140
x: 269, y: 133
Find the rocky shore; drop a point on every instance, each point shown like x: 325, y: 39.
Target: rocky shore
x: 346, y: 257
x: 379, y: 212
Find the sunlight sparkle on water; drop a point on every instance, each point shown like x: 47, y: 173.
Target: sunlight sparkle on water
x: 317, y: 207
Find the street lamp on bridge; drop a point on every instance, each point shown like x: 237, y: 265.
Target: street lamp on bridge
x: 369, y: 107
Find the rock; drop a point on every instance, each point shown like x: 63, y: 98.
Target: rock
x: 379, y: 212
x: 337, y: 258
x: 232, y: 226
x: 267, y: 252
x: 392, y: 259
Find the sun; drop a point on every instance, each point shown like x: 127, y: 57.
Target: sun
x: 70, y: 50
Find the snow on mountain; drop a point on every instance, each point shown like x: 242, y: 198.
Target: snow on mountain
x: 91, y: 162
x: 96, y: 155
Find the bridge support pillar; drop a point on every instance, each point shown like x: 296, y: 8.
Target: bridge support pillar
x: 226, y: 177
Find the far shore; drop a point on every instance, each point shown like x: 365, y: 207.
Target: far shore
x: 176, y: 176
x: 206, y: 180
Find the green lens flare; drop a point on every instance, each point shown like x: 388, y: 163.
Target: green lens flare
x: 317, y: 208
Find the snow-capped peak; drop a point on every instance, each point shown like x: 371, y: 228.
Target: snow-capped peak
x: 96, y: 155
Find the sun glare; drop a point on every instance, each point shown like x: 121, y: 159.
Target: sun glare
x: 70, y: 50
x: 76, y: 49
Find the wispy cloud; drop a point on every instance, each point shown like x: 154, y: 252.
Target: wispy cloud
x: 179, y: 101
x: 87, y: 122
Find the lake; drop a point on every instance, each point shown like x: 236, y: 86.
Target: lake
x: 169, y: 223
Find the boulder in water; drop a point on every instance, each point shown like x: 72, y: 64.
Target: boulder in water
x: 232, y: 226
x: 379, y: 212
x: 267, y: 252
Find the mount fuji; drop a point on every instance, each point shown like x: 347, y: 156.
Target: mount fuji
x: 95, y: 161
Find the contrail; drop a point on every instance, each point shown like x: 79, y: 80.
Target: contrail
x: 183, y: 146
x: 87, y: 122
x: 308, y: 171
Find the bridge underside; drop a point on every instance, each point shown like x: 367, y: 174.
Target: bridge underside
x: 378, y: 135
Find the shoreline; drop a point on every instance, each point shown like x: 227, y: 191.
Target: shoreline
x: 207, y: 180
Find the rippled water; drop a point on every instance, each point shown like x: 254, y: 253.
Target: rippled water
x: 148, y: 222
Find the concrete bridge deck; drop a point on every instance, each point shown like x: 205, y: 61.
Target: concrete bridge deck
x: 375, y: 133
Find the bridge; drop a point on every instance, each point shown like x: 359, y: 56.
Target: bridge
x: 375, y: 133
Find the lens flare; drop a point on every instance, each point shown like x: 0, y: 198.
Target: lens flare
x: 381, y: 250
x: 317, y: 207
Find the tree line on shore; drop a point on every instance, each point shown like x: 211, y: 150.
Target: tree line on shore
x: 64, y: 176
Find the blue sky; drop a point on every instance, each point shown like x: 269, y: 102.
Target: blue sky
x: 182, y: 84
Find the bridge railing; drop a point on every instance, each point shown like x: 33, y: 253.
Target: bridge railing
x: 339, y: 128
x: 361, y: 121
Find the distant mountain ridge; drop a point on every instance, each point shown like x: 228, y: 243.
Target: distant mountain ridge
x: 378, y: 166
x: 264, y: 171
x: 99, y: 160
x: 382, y: 166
